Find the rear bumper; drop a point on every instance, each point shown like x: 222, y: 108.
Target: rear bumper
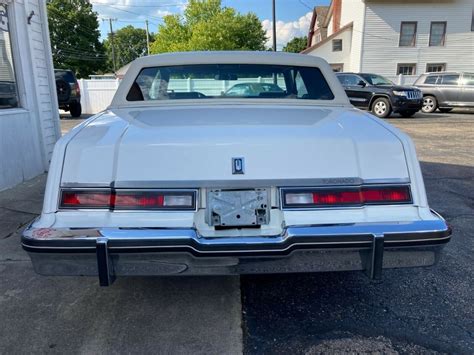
x: 111, y: 252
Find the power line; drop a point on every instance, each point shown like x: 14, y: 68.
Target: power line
x: 135, y: 5
x: 305, y: 4
x: 129, y: 12
x: 80, y: 26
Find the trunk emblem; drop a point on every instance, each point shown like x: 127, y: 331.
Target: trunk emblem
x: 238, y: 166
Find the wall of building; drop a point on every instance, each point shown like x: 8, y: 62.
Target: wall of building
x: 381, y: 52
x: 343, y: 57
x: 354, y: 11
x: 28, y: 133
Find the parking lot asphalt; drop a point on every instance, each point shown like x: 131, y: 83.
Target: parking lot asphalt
x: 410, y: 311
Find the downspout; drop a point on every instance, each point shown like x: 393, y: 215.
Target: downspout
x: 361, y: 57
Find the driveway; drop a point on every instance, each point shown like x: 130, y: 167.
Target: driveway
x: 410, y: 311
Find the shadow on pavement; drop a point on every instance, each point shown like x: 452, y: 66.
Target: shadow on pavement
x: 410, y: 310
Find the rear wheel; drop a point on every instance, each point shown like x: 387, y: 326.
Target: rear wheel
x: 408, y: 113
x: 429, y: 104
x: 381, y: 107
x: 445, y: 110
x: 75, y: 109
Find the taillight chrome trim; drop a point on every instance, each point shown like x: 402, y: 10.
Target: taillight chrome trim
x: 112, y: 192
x: 286, y: 207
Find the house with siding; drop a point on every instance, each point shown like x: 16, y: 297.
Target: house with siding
x: 392, y: 37
x: 29, y: 119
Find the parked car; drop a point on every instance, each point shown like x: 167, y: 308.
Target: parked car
x: 8, y: 95
x: 379, y: 95
x: 253, y: 89
x: 69, y: 92
x: 446, y: 90
x: 193, y: 183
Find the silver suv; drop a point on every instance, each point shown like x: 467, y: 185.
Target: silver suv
x: 446, y: 90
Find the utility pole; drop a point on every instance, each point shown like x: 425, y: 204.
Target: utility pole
x: 147, y: 38
x: 112, y: 42
x: 274, y: 27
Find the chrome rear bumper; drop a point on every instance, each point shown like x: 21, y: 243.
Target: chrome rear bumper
x: 109, y: 252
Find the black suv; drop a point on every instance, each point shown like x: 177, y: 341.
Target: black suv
x: 445, y: 91
x: 69, y: 93
x: 377, y: 94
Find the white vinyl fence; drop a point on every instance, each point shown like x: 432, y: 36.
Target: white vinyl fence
x: 96, y: 95
x: 403, y: 79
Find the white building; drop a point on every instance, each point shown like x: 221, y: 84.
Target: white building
x: 392, y: 37
x: 29, y: 119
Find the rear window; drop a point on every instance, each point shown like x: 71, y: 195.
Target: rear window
x: 230, y: 81
x: 65, y: 75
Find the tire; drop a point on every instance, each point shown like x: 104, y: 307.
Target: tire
x: 445, y: 110
x: 63, y: 90
x: 75, y: 109
x: 408, y: 113
x: 430, y: 104
x: 381, y: 107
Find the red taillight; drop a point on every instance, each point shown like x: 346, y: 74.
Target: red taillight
x: 129, y: 199
x: 350, y: 196
x: 83, y: 199
x: 77, y: 89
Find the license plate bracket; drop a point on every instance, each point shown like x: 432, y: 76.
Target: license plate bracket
x: 238, y: 208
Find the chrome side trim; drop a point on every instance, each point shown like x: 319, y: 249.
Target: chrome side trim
x: 237, y: 183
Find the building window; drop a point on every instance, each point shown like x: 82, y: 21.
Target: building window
x: 337, y: 67
x: 472, y: 20
x: 408, y: 34
x: 436, y: 67
x: 406, y: 69
x: 8, y: 92
x: 437, y: 34
x: 337, y: 45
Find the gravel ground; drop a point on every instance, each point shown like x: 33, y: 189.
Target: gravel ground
x: 410, y: 311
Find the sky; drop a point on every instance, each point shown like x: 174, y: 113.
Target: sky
x: 293, y: 16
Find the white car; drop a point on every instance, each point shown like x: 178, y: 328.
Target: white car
x: 175, y: 178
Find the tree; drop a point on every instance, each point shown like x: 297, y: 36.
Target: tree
x: 129, y: 43
x: 206, y: 25
x: 74, y: 33
x: 296, y: 45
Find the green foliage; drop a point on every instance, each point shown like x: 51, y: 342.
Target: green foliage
x: 296, y: 45
x: 74, y: 33
x: 129, y: 43
x: 206, y: 25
